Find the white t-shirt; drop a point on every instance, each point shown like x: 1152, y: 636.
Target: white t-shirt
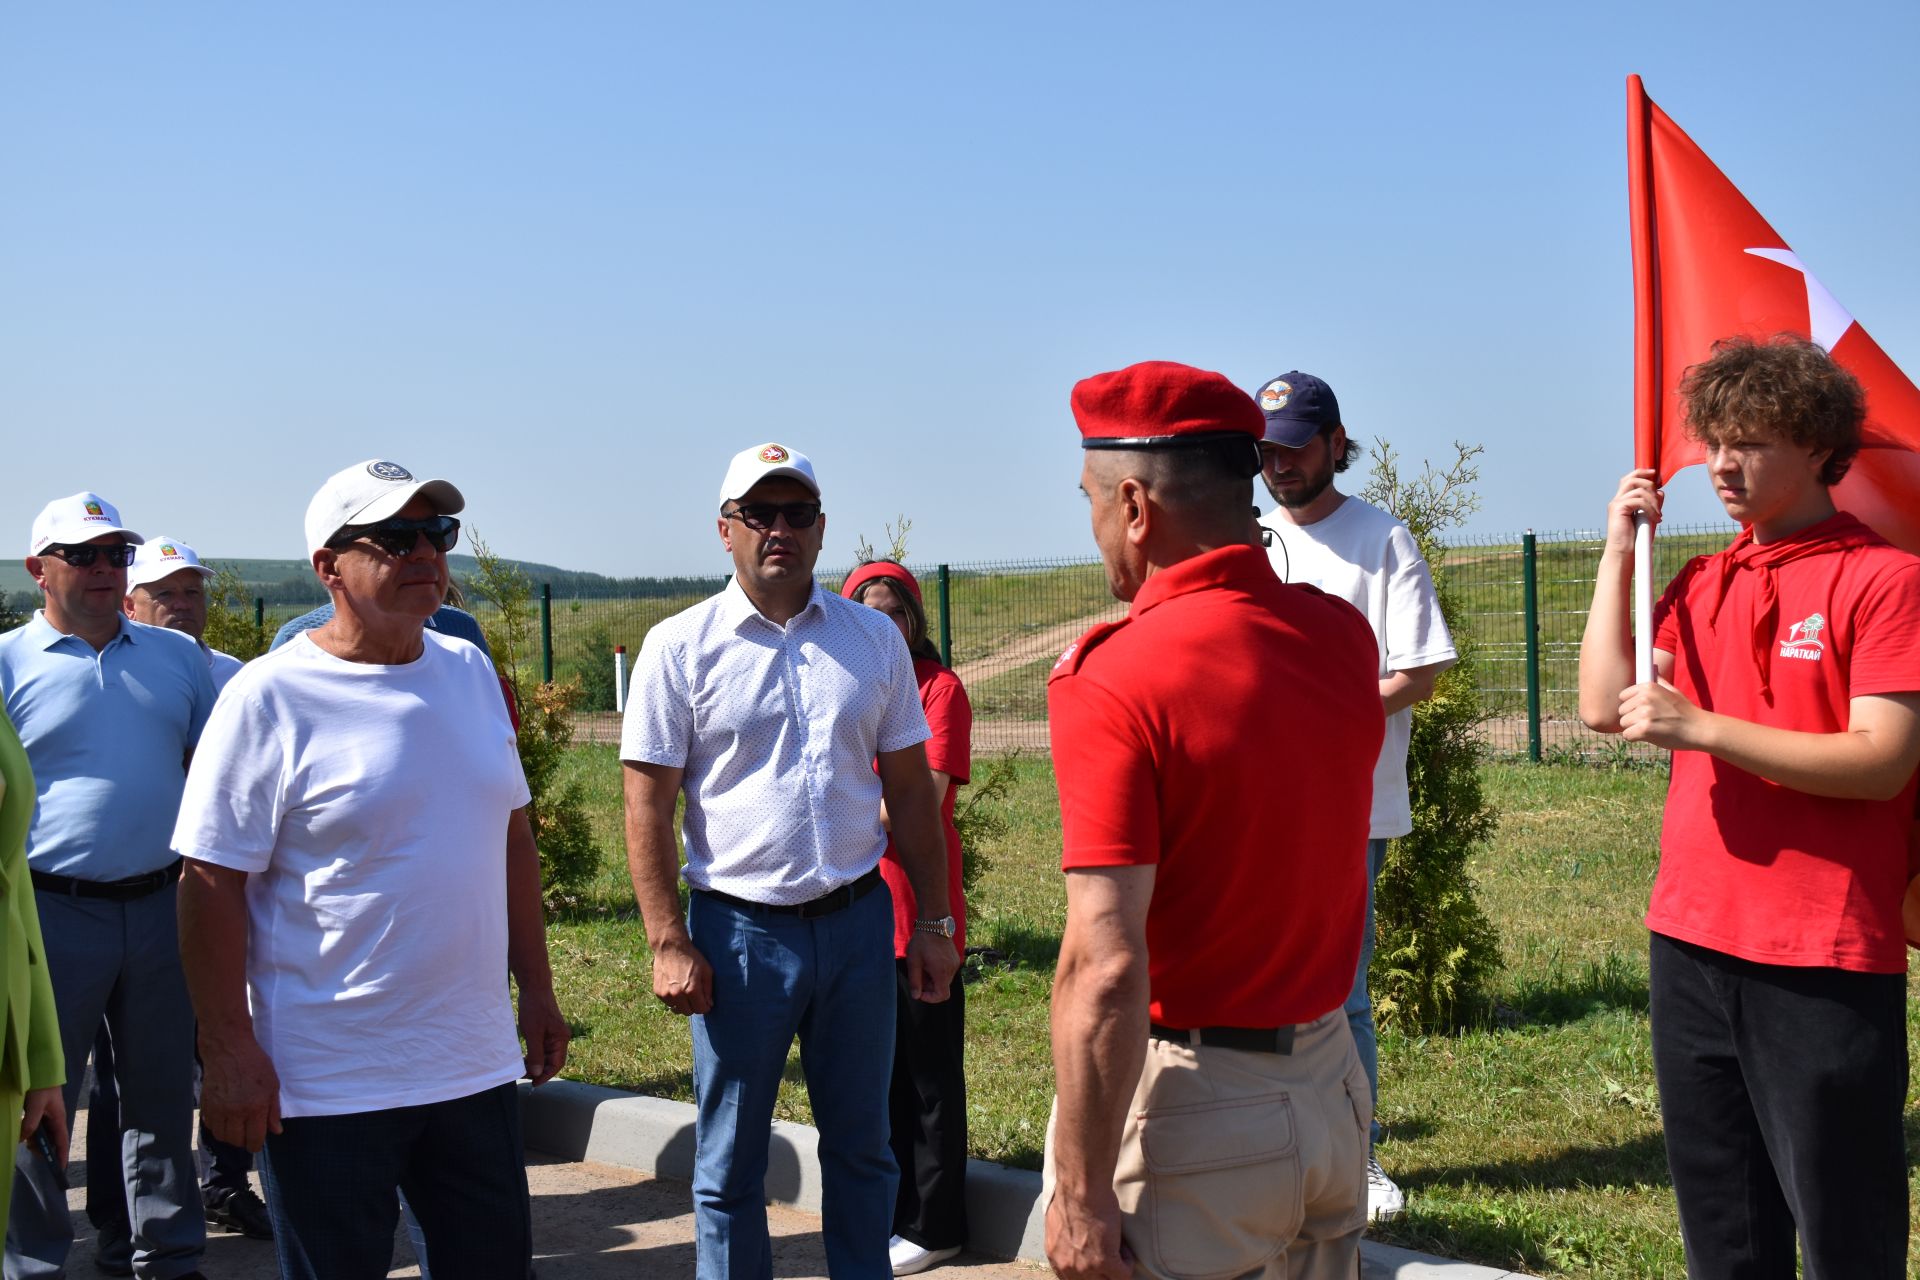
x: 1370, y: 560
x: 369, y: 806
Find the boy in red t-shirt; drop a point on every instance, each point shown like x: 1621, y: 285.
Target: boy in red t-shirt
x: 1789, y: 694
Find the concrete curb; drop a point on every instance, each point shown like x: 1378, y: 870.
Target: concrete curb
x: 587, y: 1122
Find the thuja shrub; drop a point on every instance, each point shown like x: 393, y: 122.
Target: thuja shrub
x: 1436, y: 951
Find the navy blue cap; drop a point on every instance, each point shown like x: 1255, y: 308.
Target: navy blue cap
x: 1297, y: 406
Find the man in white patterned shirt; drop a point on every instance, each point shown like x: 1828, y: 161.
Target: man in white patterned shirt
x: 787, y: 715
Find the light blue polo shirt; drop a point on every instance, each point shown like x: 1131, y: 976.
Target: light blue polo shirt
x: 106, y: 733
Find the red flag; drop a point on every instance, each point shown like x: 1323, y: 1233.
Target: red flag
x: 1707, y: 266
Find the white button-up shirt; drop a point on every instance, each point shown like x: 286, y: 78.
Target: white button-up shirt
x: 777, y: 728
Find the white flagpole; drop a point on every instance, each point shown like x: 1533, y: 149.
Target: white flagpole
x: 1642, y: 598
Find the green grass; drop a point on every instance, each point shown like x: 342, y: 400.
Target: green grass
x: 1533, y: 1143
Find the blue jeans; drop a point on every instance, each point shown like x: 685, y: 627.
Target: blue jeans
x: 1360, y: 1000
x: 830, y: 981
x: 330, y: 1187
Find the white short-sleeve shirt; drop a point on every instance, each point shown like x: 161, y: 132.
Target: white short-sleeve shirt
x: 368, y: 805
x: 776, y: 728
x: 1369, y: 559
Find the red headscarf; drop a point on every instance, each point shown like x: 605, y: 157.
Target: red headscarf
x: 880, y: 569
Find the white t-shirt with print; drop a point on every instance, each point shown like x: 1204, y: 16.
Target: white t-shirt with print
x: 1369, y: 559
x: 369, y: 806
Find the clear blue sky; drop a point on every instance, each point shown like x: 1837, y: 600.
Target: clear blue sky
x: 574, y: 256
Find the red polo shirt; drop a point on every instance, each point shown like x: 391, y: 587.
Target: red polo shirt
x: 1785, y: 635
x: 1164, y: 754
x: 949, y: 750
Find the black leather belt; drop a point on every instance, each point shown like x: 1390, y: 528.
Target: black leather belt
x: 116, y: 890
x: 824, y: 905
x: 1250, y: 1039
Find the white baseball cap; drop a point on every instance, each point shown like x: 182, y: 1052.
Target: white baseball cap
x: 763, y: 462
x: 161, y: 557
x: 368, y: 492
x: 76, y: 519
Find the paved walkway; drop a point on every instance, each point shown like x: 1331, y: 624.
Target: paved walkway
x: 590, y: 1221
x: 597, y: 1221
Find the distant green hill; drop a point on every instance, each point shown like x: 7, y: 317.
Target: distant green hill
x: 292, y: 582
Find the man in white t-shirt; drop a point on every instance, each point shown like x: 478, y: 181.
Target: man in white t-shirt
x: 1360, y: 553
x: 361, y: 880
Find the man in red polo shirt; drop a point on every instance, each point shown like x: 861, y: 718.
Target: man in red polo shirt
x: 1212, y: 1113
x: 1789, y: 693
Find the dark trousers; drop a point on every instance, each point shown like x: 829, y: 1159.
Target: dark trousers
x: 222, y: 1165
x: 928, y: 1110
x: 1782, y: 1089
x: 330, y: 1187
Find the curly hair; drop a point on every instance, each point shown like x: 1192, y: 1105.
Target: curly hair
x: 1785, y: 387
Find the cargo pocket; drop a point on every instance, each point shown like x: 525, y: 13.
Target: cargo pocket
x: 1223, y: 1189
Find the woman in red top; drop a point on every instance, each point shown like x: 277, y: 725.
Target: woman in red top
x: 929, y: 1095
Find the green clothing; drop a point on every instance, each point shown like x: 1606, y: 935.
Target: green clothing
x: 30, y: 1056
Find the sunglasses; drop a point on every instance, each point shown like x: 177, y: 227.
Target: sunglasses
x: 398, y: 536
x: 759, y: 516
x: 82, y: 555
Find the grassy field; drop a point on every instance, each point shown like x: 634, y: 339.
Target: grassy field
x: 1532, y: 1143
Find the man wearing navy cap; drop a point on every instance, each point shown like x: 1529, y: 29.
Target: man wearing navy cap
x: 1211, y: 1116
x: 1362, y: 554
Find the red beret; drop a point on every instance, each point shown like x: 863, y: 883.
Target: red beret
x: 1158, y: 403
x: 879, y: 569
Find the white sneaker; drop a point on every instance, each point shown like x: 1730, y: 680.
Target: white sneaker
x: 1384, y: 1198
x: 909, y: 1258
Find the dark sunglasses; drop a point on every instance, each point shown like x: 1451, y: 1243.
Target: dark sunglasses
x: 759, y: 516
x: 82, y: 555
x: 398, y: 537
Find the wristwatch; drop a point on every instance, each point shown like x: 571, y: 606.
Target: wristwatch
x: 943, y: 926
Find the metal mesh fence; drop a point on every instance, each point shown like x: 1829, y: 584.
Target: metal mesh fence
x: 1003, y: 623
x: 1487, y: 577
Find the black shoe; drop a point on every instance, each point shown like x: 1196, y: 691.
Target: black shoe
x: 237, y: 1209
x: 112, y: 1251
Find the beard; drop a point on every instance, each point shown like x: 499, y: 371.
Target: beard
x: 1302, y: 495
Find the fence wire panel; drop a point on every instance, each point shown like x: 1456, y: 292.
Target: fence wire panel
x: 1487, y: 577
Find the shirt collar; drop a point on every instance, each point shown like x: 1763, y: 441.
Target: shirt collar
x: 736, y: 608
x: 1222, y: 567
x: 46, y: 635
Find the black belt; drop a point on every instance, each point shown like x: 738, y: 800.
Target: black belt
x: 1251, y: 1039
x: 825, y: 905
x: 117, y: 890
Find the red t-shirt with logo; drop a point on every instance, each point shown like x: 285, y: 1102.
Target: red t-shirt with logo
x: 1784, y: 635
x: 950, y: 750
x: 1164, y: 755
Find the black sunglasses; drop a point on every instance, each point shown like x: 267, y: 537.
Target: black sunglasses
x: 82, y: 555
x: 759, y: 516
x: 398, y: 536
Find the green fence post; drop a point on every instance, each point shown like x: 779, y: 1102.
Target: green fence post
x: 1530, y: 576
x: 946, y: 617
x: 260, y: 617
x: 546, y: 632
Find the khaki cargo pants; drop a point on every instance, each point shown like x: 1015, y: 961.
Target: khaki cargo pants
x: 1237, y: 1164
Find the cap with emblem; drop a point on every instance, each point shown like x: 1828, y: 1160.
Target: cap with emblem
x: 764, y: 462
x: 81, y: 517
x: 160, y: 558
x: 1297, y: 406
x: 368, y: 492
x: 1158, y: 404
